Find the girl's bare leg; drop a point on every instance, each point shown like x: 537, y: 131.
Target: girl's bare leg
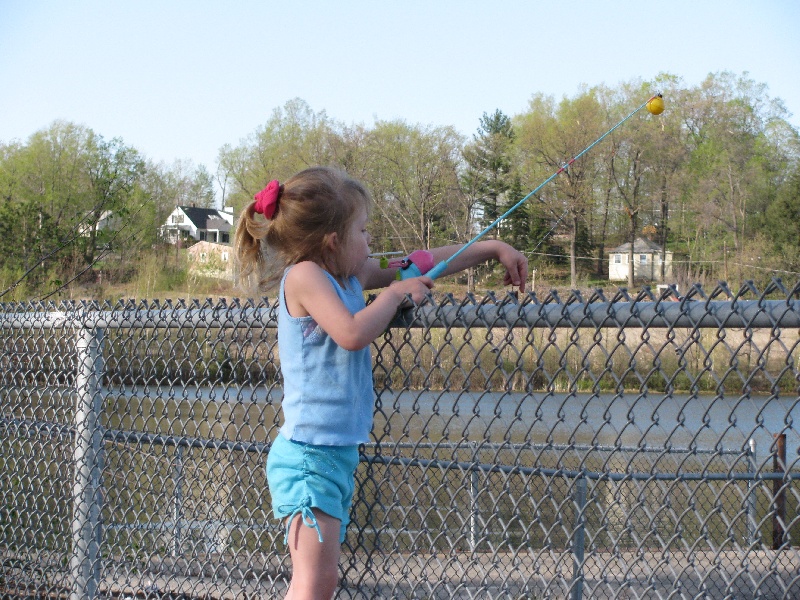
x: 315, y: 565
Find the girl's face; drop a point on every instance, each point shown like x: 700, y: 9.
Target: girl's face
x: 356, y: 249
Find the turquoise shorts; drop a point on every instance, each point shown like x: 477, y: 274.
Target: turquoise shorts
x: 304, y: 476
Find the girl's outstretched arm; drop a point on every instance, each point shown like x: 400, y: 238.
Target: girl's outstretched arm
x: 308, y: 291
x: 373, y: 277
x: 513, y: 260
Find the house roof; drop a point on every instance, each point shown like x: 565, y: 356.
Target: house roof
x: 218, y: 223
x: 641, y: 245
x: 206, y: 218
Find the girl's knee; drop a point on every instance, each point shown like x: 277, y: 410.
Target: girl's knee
x: 320, y: 585
x: 328, y: 583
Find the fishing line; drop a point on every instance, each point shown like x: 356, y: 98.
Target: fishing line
x: 654, y: 104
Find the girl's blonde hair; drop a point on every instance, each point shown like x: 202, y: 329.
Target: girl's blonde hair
x: 312, y: 205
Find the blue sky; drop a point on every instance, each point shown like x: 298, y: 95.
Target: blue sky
x: 178, y: 79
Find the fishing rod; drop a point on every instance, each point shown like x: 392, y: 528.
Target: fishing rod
x: 655, y: 105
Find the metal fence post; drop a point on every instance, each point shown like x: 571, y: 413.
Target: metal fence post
x: 87, y: 462
x: 178, y: 476
x: 779, y: 492
x: 474, y: 491
x: 750, y: 509
x: 579, y: 538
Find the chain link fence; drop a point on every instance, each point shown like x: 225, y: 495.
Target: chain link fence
x: 523, y: 448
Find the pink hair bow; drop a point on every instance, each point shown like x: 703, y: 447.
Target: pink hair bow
x: 267, y: 199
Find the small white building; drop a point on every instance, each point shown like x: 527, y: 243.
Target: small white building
x: 211, y: 260
x: 646, y: 261
x: 107, y: 221
x: 202, y: 224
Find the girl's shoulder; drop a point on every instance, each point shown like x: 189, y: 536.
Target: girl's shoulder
x: 300, y: 281
x: 305, y: 273
x: 304, y: 268
x: 309, y: 275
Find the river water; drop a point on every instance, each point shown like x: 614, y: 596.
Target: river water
x: 650, y: 419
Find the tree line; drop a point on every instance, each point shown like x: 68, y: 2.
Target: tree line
x: 715, y: 179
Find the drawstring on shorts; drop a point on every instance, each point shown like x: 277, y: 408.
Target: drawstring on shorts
x: 308, y: 518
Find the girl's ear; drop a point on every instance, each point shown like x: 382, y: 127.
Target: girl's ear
x: 332, y: 241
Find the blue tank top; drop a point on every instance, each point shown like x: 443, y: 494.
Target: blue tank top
x: 328, y: 397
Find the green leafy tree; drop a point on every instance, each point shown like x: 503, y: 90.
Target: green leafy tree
x: 550, y: 137
x: 62, y: 189
x: 517, y: 227
x: 631, y: 165
x: 413, y: 175
x: 783, y: 222
x: 489, y: 163
x: 736, y: 165
x: 113, y: 171
x: 44, y: 182
x: 669, y: 153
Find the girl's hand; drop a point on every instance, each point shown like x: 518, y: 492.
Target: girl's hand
x: 416, y: 287
x: 516, y: 265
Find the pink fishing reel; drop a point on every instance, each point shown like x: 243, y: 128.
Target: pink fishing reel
x: 415, y: 264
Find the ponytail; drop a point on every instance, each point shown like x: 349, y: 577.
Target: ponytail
x: 249, y: 251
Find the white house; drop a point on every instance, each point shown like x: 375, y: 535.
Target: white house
x: 646, y: 261
x: 107, y: 220
x: 202, y: 224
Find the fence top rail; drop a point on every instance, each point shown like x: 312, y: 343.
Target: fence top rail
x: 505, y: 313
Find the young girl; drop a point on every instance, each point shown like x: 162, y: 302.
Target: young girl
x: 309, y: 236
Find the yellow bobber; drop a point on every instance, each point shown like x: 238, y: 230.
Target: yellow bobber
x: 656, y: 105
